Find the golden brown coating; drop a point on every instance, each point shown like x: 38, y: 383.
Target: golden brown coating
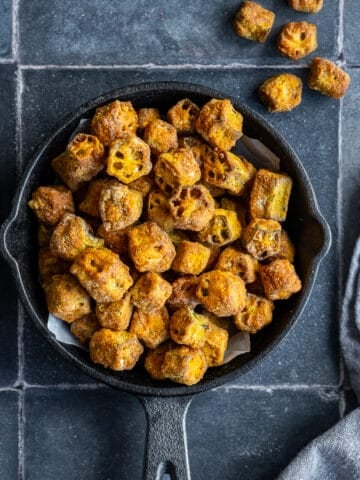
x: 307, y: 6
x: 279, y: 279
x: 287, y: 248
x: 150, y: 292
x: 220, y: 124
x: 192, y: 207
x: 223, y: 228
x: 216, y: 342
x: 158, y: 210
x: 82, y: 160
x: 101, y: 272
x: 199, y: 148
x: 50, y: 264
x: 143, y: 185
x: 183, y: 364
x: 151, y: 328
x: 327, y: 78
x: 188, y: 327
x: 90, y: 203
x: 221, y: 293
x: 145, y: 116
x: 116, y: 350
x: 66, y: 298
x: 281, y: 93
x: 150, y: 248
x: 239, y: 263
x: 155, y: 359
x: 183, y: 116
x: 114, y: 120
x: 262, y: 238
x: 115, y: 315
x: 50, y: 203
x: 270, y: 195
x: 297, y: 39
x: 236, y: 206
x: 161, y: 136
x: 176, y: 169
x: 71, y: 236
x: 116, y: 240
x: 253, y: 22
x: 128, y: 159
x: 228, y: 171
x: 83, y: 328
x: 191, y: 258
x: 184, y: 293
x: 120, y: 206
x: 256, y: 315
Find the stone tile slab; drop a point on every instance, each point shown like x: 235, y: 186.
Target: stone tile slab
x: 5, y: 28
x: 9, y: 408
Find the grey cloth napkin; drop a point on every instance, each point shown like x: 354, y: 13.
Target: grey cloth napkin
x: 335, y: 455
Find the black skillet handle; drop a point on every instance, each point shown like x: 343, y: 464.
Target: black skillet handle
x: 166, y: 446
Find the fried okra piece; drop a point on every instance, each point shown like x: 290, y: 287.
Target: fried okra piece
x: 270, y: 195
x: 297, y: 40
x: 279, y: 279
x: 44, y: 235
x: 183, y: 364
x: 115, y: 350
x: 228, y: 171
x: 239, y: 263
x: 50, y: 203
x: 115, y: 315
x: 161, y: 136
x: 188, y: 327
x: 83, y: 328
x: 158, y: 210
x: 287, y: 249
x: 221, y: 293
x: 128, y: 159
x: 90, y: 204
x: 236, y: 206
x: 216, y: 342
x: 71, y: 236
x: 150, y: 292
x: 82, y: 160
x: 256, y: 315
x: 116, y: 240
x: 66, y: 298
x: 120, y: 206
x: 192, y: 207
x: 281, y: 93
x: 183, y: 116
x: 175, y: 169
x: 219, y: 124
x: 262, y: 238
x: 191, y: 258
x: 155, y: 359
x: 184, y: 293
x: 101, y: 272
x: 152, y: 329
x: 150, y: 248
x: 327, y: 78
x: 143, y: 185
x: 114, y: 120
x: 50, y: 264
x: 199, y: 148
x: 253, y: 22
x: 306, y: 6
x: 223, y: 228
x: 145, y: 116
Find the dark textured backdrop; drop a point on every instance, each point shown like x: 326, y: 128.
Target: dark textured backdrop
x: 57, y: 423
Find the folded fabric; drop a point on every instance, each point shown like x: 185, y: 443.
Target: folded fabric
x: 335, y: 455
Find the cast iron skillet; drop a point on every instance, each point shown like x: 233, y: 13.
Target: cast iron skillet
x: 166, y: 403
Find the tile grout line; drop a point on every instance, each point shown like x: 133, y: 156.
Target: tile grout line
x: 340, y: 39
x: 21, y: 436
x: 15, y: 30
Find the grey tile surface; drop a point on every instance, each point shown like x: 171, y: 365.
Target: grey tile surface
x: 78, y: 435
x: 49, y: 95
x: 8, y: 300
x: 9, y: 407
x: 351, y: 32
x: 5, y: 28
x: 254, y: 434
x: 162, y: 32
